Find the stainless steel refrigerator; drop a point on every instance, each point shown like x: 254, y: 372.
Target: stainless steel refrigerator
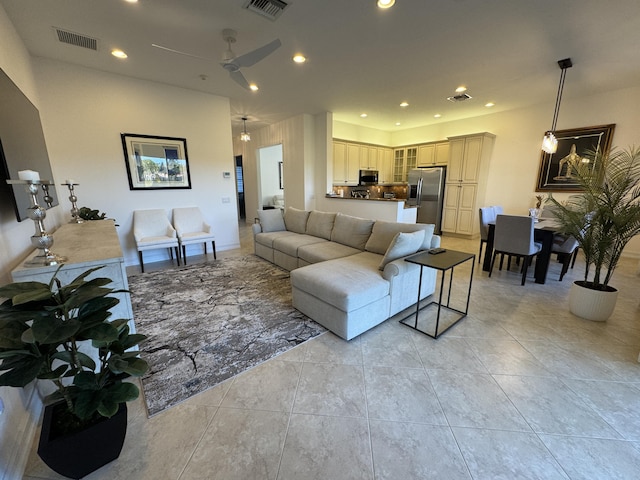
x: 426, y: 191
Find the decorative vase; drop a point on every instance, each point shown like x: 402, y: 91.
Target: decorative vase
x: 77, y: 454
x: 596, y: 305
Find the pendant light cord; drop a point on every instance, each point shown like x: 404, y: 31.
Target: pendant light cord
x: 558, y: 100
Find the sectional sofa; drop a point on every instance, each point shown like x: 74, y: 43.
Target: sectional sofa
x: 347, y: 273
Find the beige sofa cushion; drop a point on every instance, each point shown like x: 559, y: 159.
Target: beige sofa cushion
x: 271, y: 220
x: 403, y: 244
x: 296, y: 220
x: 320, y: 252
x: 347, y: 283
x: 320, y: 224
x: 268, y: 238
x: 352, y: 231
x: 384, y: 232
x: 291, y: 243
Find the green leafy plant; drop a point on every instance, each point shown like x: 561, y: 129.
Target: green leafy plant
x: 62, y: 334
x: 88, y: 214
x: 605, y: 216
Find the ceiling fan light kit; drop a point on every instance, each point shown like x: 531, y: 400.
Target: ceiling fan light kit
x: 550, y: 142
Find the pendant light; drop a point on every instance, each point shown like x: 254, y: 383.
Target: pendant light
x: 244, y: 135
x: 550, y: 142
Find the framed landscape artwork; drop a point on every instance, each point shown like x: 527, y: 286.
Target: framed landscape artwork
x: 155, y: 163
x: 555, y: 173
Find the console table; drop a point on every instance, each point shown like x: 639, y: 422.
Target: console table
x: 86, y: 245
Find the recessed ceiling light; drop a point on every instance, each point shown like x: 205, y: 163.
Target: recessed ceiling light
x: 254, y: 87
x: 386, y: 3
x: 404, y: 104
x: 363, y: 115
x: 131, y: 1
x: 490, y: 104
x: 398, y: 124
x: 299, y: 58
x: 118, y: 53
x: 437, y: 115
x: 461, y: 89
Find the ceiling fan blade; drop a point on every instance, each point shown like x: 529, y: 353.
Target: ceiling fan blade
x: 258, y: 54
x: 239, y: 79
x: 178, y: 52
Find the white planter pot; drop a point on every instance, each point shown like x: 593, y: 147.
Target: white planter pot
x: 590, y: 304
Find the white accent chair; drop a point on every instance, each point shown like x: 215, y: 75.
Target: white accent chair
x: 152, y: 230
x: 514, y: 236
x: 192, y: 229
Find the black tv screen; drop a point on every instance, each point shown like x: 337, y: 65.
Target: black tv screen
x: 22, y: 147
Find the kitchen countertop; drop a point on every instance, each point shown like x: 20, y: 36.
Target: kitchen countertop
x: 373, y: 199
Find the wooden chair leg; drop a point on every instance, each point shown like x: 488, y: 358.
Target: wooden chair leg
x: 501, y: 261
x: 141, y: 262
x: 575, y: 255
x: 213, y: 245
x: 566, y: 260
x: 184, y: 254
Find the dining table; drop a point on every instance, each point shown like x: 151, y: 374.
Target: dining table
x: 544, y: 230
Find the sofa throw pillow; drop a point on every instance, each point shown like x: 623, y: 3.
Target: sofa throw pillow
x: 271, y: 220
x: 351, y: 231
x: 320, y: 224
x: 296, y: 220
x: 384, y: 232
x: 403, y: 244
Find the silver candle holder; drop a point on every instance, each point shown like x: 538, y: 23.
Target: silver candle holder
x: 42, y: 240
x: 75, y: 215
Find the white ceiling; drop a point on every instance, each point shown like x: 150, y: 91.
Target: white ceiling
x: 360, y: 58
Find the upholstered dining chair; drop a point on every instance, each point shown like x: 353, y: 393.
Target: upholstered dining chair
x: 514, y: 236
x: 566, y: 246
x: 487, y: 215
x: 192, y: 229
x: 152, y: 230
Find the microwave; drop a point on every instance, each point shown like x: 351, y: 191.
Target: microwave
x: 368, y: 177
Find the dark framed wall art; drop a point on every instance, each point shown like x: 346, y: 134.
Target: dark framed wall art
x: 555, y: 173
x: 155, y: 163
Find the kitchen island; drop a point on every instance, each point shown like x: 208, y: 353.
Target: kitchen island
x: 387, y: 209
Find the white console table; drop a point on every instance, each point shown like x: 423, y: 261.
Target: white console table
x: 86, y: 245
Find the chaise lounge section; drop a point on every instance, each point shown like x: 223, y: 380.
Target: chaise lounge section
x: 347, y: 273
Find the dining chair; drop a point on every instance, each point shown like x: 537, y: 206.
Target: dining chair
x: 566, y: 246
x: 487, y: 215
x: 152, y: 230
x: 514, y: 236
x: 192, y: 229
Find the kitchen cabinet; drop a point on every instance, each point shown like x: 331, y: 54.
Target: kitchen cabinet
x: 368, y: 157
x: 346, y: 163
x: 404, y: 159
x: 385, y: 165
x: 434, y: 154
x: 466, y: 182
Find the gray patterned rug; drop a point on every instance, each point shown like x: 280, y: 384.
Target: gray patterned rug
x: 209, y: 322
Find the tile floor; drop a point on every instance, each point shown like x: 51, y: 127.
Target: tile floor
x: 519, y: 389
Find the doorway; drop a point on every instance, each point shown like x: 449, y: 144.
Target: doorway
x: 270, y: 177
x: 242, y: 211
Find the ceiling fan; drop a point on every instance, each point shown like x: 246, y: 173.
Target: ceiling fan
x: 232, y: 63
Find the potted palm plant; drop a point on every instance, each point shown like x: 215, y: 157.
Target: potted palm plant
x: 602, y: 218
x: 63, y: 335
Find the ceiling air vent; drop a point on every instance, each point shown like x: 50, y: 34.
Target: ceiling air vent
x: 460, y: 97
x: 76, y: 39
x: 271, y: 9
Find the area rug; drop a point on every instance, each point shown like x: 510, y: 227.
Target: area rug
x: 209, y: 322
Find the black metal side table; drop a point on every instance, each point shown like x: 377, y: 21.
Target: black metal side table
x: 444, y: 261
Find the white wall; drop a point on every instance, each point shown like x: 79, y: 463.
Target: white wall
x: 84, y: 111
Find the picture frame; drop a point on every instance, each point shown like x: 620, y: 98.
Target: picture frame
x: 555, y: 169
x: 156, y: 163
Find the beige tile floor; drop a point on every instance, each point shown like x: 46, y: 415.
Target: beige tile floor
x: 518, y: 389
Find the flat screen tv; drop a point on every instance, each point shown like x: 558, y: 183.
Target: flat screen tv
x: 22, y: 147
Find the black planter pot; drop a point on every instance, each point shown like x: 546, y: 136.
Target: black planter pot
x: 76, y: 455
